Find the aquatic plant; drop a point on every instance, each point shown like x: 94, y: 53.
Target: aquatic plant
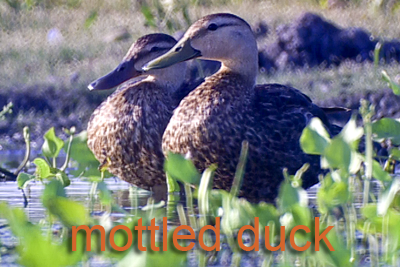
x: 350, y: 220
x: 47, y: 167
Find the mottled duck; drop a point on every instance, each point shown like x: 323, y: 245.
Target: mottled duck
x: 210, y: 123
x: 125, y: 131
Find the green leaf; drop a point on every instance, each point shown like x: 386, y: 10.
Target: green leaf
x: 342, y: 153
x: 332, y: 194
x: 369, y: 211
x: 16, y: 218
x: 298, y: 215
x: 216, y: 198
x: 338, y: 154
x: 386, y: 128
x: 395, y: 153
x: 37, y: 250
x: 80, y: 152
x: 341, y: 256
x: 355, y: 163
x: 181, y: 169
x: 301, y: 215
x: 351, y: 134
x: 238, y: 212
x: 63, y: 178
x: 23, y: 179
x: 34, y: 248
x: 379, y: 174
x: 373, y: 223
x: 79, y: 149
x: 53, y: 189
x: 314, y: 138
x: 290, y: 196
x: 266, y: 213
x: 69, y: 212
x: 43, y: 169
x: 392, y: 84
x: 172, y: 184
x: 52, y: 144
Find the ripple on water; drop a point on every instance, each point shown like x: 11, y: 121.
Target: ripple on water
x: 79, y: 190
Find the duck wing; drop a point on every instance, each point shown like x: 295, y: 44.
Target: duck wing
x: 287, y: 100
x: 280, y: 113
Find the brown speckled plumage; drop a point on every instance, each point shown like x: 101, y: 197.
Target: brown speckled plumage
x: 210, y: 124
x: 127, y: 127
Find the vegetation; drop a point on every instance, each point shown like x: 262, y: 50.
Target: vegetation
x: 364, y: 220
x: 345, y: 185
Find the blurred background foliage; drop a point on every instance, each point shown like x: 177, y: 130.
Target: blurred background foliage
x: 71, y: 42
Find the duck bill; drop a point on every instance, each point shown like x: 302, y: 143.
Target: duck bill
x: 125, y: 71
x: 182, y: 51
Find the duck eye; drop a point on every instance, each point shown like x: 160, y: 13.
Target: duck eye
x: 154, y: 49
x: 212, y: 27
x: 179, y: 48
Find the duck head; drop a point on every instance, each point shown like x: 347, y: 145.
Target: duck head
x: 222, y: 37
x: 142, y: 51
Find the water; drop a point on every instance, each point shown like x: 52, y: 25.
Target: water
x: 79, y: 191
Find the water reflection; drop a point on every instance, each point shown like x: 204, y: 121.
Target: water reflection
x: 79, y: 190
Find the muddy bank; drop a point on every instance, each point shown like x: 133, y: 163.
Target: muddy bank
x: 43, y: 106
x: 386, y: 103
x: 311, y: 41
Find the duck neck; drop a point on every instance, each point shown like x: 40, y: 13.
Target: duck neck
x: 247, y: 69
x: 244, y: 79
x: 169, y: 78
